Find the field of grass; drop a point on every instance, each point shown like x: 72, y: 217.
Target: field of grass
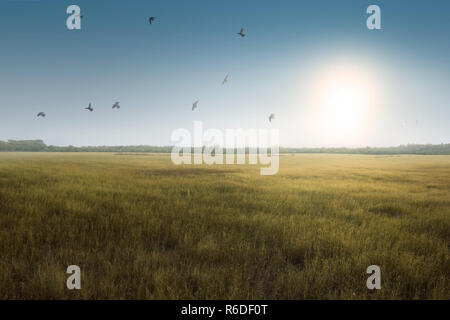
x: 140, y: 227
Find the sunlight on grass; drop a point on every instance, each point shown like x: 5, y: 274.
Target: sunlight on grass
x: 140, y: 227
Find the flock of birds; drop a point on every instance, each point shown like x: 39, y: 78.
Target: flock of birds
x: 116, y: 105
x: 194, y: 105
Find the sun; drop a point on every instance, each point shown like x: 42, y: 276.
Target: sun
x: 344, y: 108
x: 343, y: 104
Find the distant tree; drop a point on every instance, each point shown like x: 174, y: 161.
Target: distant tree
x: 40, y: 146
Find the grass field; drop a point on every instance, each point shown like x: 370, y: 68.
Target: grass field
x: 141, y: 227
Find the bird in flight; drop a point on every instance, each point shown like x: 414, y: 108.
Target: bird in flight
x: 151, y: 19
x: 225, y: 80
x: 271, y: 117
x: 116, y: 105
x: 194, y: 105
x: 90, y: 108
x: 241, y: 33
x: 41, y: 114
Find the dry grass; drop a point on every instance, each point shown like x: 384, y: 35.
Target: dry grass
x: 140, y: 227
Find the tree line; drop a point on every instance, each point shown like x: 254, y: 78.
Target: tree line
x: 40, y: 146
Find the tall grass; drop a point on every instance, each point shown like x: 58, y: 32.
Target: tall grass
x: 141, y: 228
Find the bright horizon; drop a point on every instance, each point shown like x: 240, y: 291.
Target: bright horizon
x: 329, y: 80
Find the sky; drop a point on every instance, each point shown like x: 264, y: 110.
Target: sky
x: 330, y: 81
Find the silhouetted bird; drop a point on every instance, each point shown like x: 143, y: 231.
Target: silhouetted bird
x: 90, y: 108
x: 241, y: 33
x: 271, y: 117
x: 194, y: 105
x: 41, y: 114
x: 116, y: 105
x: 151, y: 19
x: 225, y: 80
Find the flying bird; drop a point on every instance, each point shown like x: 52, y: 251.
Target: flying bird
x: 225, y: 80
x: 194, y: 105
x: 271, y: 117
x: 116, y: 105
x: 41, y: 114
x: 241, y: 33
x: 151, y: 19
x: 90, y: 108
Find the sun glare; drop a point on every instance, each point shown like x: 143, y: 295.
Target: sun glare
x: 344, y: 108
x: 343, y: 104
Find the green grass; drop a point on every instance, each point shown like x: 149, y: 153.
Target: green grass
x: 142, y: 228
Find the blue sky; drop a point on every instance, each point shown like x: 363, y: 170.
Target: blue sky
x: 158, y: 71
